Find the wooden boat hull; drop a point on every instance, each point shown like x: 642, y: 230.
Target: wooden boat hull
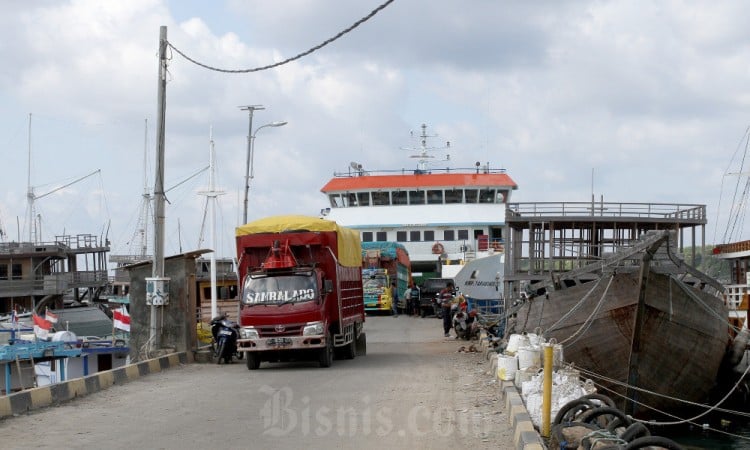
x: 676, y: 353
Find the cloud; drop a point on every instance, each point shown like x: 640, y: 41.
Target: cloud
x: 643, y: 101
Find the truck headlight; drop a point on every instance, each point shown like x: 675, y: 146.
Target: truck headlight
x: 313, y: 329
x: 249, y: 333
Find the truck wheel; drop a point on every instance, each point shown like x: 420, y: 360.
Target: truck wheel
x: 326, y: 353
x: 253, y: 361
x: 361, y: 344
x: 350, y: 351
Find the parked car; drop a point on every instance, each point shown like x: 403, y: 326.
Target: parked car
x: 428, y: 301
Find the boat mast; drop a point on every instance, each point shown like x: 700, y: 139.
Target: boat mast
x: 423, y: 156
x: 30, y: 189
x: 211, y: 195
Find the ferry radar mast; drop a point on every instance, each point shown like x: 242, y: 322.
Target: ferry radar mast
x: 423, y: 154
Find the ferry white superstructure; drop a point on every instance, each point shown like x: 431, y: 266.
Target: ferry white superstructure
x: 442, y: 216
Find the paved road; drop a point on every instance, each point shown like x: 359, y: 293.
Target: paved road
x: 412, y: 390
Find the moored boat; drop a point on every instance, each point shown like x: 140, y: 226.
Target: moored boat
x: 648, y: 328
x: 443, y: 216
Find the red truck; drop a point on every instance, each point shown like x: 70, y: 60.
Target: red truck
x: 300, y: 290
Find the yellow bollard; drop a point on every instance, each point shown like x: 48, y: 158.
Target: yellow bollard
x: 547, y: 390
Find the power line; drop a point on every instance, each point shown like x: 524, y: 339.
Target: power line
x: 293, y: 58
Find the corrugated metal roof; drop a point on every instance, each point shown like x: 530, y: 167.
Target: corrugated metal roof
x: 84, y: 321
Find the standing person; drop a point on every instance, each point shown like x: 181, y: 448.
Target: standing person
x: 414, y: 300
x: 446, y: 299
x: 407, y: 301
x: 394, y: 299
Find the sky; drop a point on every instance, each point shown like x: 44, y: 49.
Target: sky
x: 625, y: 101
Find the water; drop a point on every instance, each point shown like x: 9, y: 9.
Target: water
x: 732, y: 437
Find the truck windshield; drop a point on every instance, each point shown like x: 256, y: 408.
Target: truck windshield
x: 373, y: 284
x: 278, y: 290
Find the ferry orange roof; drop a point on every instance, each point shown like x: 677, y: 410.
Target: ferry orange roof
x: 406, y: 181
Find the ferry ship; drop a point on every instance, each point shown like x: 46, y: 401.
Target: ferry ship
x: 442, y: 216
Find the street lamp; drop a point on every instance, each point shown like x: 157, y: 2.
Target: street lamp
x: 249, y: 172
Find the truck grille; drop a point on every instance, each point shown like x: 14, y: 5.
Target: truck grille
x: 280, y: 330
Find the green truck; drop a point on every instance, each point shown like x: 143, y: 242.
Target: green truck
x: 383, y: 263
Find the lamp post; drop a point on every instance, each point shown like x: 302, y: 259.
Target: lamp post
x: 250, y: 110
x: 249, y: 172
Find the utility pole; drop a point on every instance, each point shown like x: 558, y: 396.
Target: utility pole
x: 159, y: 195
x: 250, y: 109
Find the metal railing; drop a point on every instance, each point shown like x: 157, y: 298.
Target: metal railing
x: 608, y: 209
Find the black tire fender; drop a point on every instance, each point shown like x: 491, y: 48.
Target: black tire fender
x: 574, y: 407
x: 634, y: 431
x: 607, y: 401
x: 657, y: 441
x: 592, y: 414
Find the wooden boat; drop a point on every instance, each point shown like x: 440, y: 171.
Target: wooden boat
x: 645, y: 326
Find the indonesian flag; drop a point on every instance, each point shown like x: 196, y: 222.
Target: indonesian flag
x: 121, y: 318
x: 41, y: 327
x: 50, y: 316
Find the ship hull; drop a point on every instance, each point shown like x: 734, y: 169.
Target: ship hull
x: 671, y: 344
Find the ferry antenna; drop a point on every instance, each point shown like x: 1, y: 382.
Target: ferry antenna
x: 423, y: 152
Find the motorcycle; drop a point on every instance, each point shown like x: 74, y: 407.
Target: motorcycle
x: 493, y: 325
x: 225, y: 333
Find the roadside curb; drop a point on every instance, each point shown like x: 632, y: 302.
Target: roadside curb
x: 525, y: 436
x: 30, y: 399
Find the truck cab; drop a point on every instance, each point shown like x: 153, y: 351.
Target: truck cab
x: 301, y: 291
x: 376, y: 286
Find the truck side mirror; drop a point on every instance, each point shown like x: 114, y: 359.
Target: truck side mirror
x: 327, y: 286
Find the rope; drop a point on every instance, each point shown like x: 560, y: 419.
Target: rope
x: 574, y: 308
x: 689, y: 290
x: 603, y: 436
x: 680, y: 422
x: 293, y: 58
x: 672, y: 415
x: 590, y: 319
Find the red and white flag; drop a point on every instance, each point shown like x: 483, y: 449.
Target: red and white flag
x: 121, y: 318
x: 41, y: 326
x: 50, y: 316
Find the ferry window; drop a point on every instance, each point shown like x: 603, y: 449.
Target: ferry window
x: 401, y: 236
x: 429, y: 235
x: 399, y: 198
x: 3, y: 271
x: 454, y: 195
x: 500, y: 197
x: 463, y: 235
x: 449, y: 235
x: 367, y: 236
x: 363, y: 198
x: 381, y: 236
x: 17, y: 273
x: 335, y: 200
x: 487, y: 196
x: 351, y: 199
x: 471, y: 195
x: 381, y: 199
x: 414, y: 236
x: 434, y: 197
x: 416, y: 197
